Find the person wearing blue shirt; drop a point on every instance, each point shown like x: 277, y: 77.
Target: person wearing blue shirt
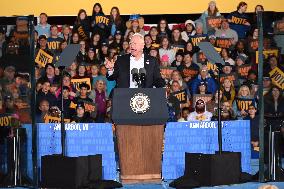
x: 43, y: 28
x: 206, y: 78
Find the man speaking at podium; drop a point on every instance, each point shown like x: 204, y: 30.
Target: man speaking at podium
x: 135, y: 70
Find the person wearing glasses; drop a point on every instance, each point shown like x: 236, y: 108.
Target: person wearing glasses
x: 200, y: 113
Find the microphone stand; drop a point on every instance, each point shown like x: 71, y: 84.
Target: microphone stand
x: 219, y: 110
x: 62, y: 124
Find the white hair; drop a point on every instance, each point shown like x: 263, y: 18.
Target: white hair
x: 139, y: 35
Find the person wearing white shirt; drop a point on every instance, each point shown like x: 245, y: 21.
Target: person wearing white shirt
x: 120, y: 70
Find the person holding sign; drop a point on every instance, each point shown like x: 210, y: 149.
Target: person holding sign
x: 121, y: 70
x: 239, y: 20
x: 243, y: 101
x: 212, y: 11
x: 272, y: 64
x: 99, y: 21
x: 226, y: 32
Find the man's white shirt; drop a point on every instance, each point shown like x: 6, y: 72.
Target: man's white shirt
x: 133, y: 64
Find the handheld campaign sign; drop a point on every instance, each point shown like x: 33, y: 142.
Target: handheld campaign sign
x: 210, y: 52
x: 69, y: 54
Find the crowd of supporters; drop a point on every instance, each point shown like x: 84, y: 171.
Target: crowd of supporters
x: 191, y: 80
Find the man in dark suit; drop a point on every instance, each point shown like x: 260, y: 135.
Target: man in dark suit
x: 121, y: 69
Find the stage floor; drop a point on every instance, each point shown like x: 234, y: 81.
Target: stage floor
x: 165, y: 185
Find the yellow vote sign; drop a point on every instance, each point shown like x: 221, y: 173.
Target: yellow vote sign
x: 42, y: 58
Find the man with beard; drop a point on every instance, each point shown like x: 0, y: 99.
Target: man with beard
x: 200, y: 113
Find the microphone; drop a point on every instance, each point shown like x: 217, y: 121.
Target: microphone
x: 135, y: 75
x: 142, y: 73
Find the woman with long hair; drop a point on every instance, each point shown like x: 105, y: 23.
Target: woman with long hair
x: 274, y: 102
x: 228, y: 91
x: 116, y: 22
x: 99, y: 23
x: 82, y: 25
x: 163, y: 29
x: 165, y: 48
x: 242, y: 102
x: 212, y: 11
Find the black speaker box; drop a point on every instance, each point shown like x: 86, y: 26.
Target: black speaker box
x: 70, y: 172
x: 213, y: 169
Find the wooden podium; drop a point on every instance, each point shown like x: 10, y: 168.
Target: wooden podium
x: 139, y: 136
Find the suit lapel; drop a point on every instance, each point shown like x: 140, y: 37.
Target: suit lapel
x: 146, y: 62
x: 147, y: 67
x: 128, y: 69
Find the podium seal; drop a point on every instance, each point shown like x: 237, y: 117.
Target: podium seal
x: 140, y: 103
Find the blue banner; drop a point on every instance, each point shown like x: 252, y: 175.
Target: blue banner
x: 82, y: 139
x: 202, y: 137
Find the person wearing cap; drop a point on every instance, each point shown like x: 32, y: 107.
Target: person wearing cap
x: 165, y: 61
x: 212, y: 11
x: 103, y: 52
x: 154, y: 52
x: 116, y: 22
x: 200, y: 113
x: 81, y: 116
x: 43, y: 28
x: 189, y: 30
x: 121, y: 70
x: 8, y: 77
x: 226, y: 32
x: 92, y: 57
x: 178, y: 59
x: 117, y: 43
x: 267, y: 84
x: 135, y: 24
x: 254, y: 124
x: 81, y: 71
x: 205, y: 77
